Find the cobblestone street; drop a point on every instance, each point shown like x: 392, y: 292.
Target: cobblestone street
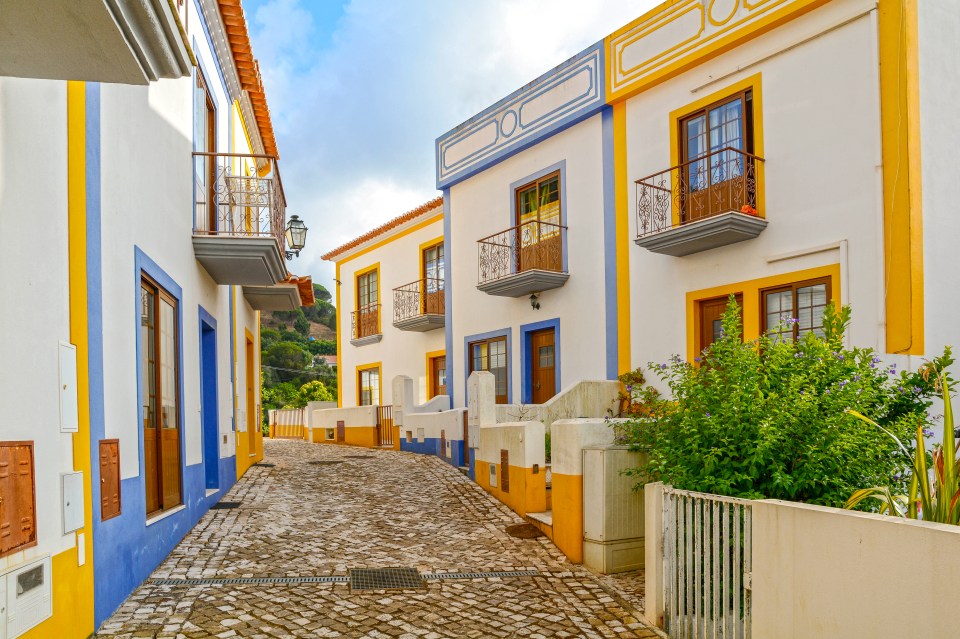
x: 322, y: 510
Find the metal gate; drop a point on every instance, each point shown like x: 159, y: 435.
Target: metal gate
x: 707, y: 557
x: 385, y: 425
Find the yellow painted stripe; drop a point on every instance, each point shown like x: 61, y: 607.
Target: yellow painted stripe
x: 339, y: 339
x: 623, y: 236
x: 902, y: 213
x: 73, y: 584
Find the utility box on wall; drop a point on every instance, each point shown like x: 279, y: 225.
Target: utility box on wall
x: 613, y: 536
x: 26, y: 598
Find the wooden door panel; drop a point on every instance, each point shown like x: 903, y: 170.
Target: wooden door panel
x: 542, y: 366
x: 505, y: 470
x: 151, y: 463
x: 170, y: 473
x: 341, y: 432
x: 110, y: 502
x: 18, y: 506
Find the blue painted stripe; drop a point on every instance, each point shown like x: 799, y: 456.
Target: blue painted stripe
x: 526, y: 363
x: 609, y: 243
x: 216, y: 61
x: 448, y: 298
x: 564, y: 117
x: 503, y: 332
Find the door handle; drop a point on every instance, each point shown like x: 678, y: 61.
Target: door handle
x: 537, y: 385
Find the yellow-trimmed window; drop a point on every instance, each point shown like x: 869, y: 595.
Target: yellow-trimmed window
x: 368, y: 386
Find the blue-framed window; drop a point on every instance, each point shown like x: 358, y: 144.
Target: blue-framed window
x: 491, y: 352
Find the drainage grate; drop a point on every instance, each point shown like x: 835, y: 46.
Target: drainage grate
x: 359, y: 456
x: 524, y: 531
x: 385, y: 579
x: 359, y: 579
x: 224, y: 505
x: 213, y: 581
x: 481, y: 575
x: 264, y: 465
x: 324, y: 463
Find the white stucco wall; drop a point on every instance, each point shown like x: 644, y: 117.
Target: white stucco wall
x: 939, y: 23
x: 35, y: 291
x: 399, y: 352
x: 821, y: 129
x: 481, y: 206
x: 147, y: 202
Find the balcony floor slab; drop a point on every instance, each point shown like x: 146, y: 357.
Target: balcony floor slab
x: 240, y: 260
x: 524, y: 283
x: 714, y: 232
x: 421, y: 323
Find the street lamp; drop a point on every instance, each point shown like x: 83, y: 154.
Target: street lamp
x: 296, y: 236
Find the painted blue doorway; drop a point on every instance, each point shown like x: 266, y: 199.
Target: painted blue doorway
x: 209, y: 414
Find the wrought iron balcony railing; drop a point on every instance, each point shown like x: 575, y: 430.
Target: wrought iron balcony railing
x: 532, y: 245
x: 722, y: 181
x: 422, y: 297
x: 365, y: 321
x: 238, y: 195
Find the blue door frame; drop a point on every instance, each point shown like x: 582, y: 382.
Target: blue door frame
x: 209, y: 413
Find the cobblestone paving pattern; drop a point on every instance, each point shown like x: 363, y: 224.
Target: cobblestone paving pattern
x: 392, y: 509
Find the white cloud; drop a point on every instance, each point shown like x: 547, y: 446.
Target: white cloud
x: 357, y: 115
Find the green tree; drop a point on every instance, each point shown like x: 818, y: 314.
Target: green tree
x: 322, y: 347
x: 286, y: 359
x: 302, y: 326
x: 766, y: 418
x: 314, y: 391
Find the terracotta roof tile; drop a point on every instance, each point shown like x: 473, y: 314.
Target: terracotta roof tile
x: 249, y: 70
x: 384, y: 228
x: 304, y: 288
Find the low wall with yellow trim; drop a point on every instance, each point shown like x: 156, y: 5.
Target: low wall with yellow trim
x: 360, y: 426
x: 568, y: 439
x: 524, y: 443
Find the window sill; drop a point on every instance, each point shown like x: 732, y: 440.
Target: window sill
x: 212, y: 491
x: 165, y: 514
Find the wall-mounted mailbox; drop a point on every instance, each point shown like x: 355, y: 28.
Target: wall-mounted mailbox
x: 72, y: 494
x: 69, y: 413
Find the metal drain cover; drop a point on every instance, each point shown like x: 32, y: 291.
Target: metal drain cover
x: 224, y: 505
x: 386, y: 579
x: 263, y: 465
x: 324, y: 463
x: 524, y: 531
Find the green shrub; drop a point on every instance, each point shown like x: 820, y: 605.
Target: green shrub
x: 767, y: 418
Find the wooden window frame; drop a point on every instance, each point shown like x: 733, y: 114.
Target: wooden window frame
x: 362, y: 275
x: 161, y: 294
x: 536, y: 184
x: 506, y: 352
x: 366, y: 369
x: 30, y: 543
x: 747, y: 123
x: 792, y: 286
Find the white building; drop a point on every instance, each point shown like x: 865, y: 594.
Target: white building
x: 780, y: 152
x: 391, y: 301
x: 143, y: 229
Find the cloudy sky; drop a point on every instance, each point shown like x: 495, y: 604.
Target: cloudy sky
x: 360, y: 89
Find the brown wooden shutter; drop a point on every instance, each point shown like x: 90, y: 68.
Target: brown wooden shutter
x: 505, y: 470
x: 341, y: 432
x: 18, y: 511
x: 110, y: 503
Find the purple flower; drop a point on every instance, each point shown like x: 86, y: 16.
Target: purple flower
x: 928, y: 432
x: 707, y: 415
x: 696, y: 359
x: 917, y: 390
x: 792, y: 320
x: 663, y: 367
x: 875, y: 360
x: 629, y: 387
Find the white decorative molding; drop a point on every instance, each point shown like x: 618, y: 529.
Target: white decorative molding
x: 564, y: 95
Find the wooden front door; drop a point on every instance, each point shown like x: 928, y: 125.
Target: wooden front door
x: 711, y: 320
x: 543, y: 370
x: 439, y: 376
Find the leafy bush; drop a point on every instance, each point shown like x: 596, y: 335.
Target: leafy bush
x: 937, y: 500
x: 767, y: 418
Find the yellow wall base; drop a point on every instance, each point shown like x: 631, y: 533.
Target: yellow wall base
x: 568, y: 515
x: 244, y: 459
x: 528, y: 491
x: 72, y: 600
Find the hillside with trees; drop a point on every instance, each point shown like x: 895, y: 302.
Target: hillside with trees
x: 297, y: 350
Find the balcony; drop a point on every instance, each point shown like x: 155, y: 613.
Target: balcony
x: 365, y: 325
x: 239, y: 217
x: 701, y: 204
x: 419, y: 306
x: 126, y: 42
x: 524, y: 259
